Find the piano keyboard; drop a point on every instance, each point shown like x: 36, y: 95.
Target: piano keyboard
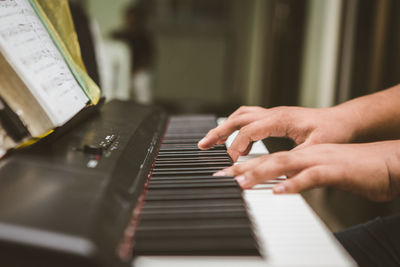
x: 288, y: 232
x: 187, y: 211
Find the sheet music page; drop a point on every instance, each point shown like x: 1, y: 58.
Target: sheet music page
x: 28, y: 48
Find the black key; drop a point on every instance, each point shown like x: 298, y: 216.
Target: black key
x: 200, y: 153
x: 193, y: 214
x: 192, y: 164
x: 194, y: 180
x: 191, y: 149
x: 199, y: 246
x: 181, y: 140
x: 185, y: 197
x: 225, y: 160
x: 182, y: 173
x: 194, y: 203
x: 196, y: 191
x: 188, y: 169
x: 202, y: 232
x: 193, y: 209
x: 193, y: 224
x: 187, y: 177
x: 193, y: 185
x: 180, y: 135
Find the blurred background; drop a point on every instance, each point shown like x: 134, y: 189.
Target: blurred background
x: 211, y: 56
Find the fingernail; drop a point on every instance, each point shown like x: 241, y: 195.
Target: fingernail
x: 202, y: 141
x: 240, y: 179
x: 280, y: 188
x: 220, y: 173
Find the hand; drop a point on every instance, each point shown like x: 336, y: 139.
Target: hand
x: 305, y: 126
x: 371, y: 170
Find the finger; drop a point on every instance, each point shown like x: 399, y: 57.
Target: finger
x: 309, y: 178
x: 242, y: 110
x: 246, y: 152
x: 255, y: 131
x: 222, y: 132
x: 220, y: 142
x: 307, y: 143
x: 248, y: 134
x: 236, y: 154
x: 241, y: 168
x: 276, y: 165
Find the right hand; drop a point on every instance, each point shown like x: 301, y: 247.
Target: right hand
x: 305, y: 126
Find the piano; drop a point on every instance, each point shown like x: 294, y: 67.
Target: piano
x: 125, y: 185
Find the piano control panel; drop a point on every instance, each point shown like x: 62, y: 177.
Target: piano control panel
x: 103, y: 148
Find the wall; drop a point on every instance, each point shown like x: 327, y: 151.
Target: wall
x: 320, y: 54
x: 108, y: 13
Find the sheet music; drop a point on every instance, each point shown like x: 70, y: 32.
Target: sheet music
x: 27, y: 46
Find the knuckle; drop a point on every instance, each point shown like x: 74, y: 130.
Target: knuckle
x: 238, y: 168
x: 314, y: 175
x: 245, y: 131
x: 282, y: 158
x: 242, y: 108
x: 256, y: 175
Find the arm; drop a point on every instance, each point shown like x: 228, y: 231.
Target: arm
x: 371, y: 170
x: 375, y: 116
x: 371, y: 117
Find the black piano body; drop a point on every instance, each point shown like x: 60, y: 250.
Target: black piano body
x: 57, y: 208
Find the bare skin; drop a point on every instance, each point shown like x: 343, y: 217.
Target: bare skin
x: 321, y: 158
x: 371, y: 170
x: 304, y: 125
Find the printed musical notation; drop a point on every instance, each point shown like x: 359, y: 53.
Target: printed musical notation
x: 26, y: 44
x: 7, y: 3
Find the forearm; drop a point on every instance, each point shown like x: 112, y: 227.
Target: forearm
x: 373, y: 117
x: 392, y: 161
x: 371, y: 169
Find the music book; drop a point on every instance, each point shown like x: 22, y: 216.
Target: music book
x: 43, y: 81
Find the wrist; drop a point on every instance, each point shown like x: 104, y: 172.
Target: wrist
x: 348, y: 120
x: 392, y: 161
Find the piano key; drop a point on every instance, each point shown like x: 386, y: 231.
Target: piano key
x: 192, y: 223
x: 194, y: 214
x: 181, y: 149
x: 188, y: 169
x: 194, y: 203
x: 181, y: 140
x: 186, y: 158
x: 198, y: 246
x: 179, y: 135
x: 193, y: 180
x: 193, y: 185
x: 188, y: 177
x: 191, y: 164
x: 182, y: 173
x: 185, y: 197
x: 213, y: 207
x: 201, y: 232
x: 225, y: 160
x: 194, y: 145
x: 191, y: 153
x: 196, y: 191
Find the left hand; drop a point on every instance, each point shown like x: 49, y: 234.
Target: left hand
x: 371, y: 170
